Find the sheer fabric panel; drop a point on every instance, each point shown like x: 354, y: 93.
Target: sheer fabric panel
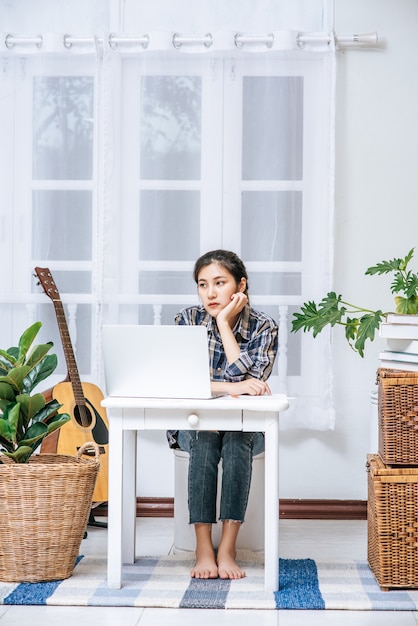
x: 122, y: 164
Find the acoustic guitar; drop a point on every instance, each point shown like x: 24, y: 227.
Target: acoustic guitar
x: 82, y: 401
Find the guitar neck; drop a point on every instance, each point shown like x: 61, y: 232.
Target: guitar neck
x: 69, y: 353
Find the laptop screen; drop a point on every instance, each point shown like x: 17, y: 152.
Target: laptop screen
x: 156, y: 361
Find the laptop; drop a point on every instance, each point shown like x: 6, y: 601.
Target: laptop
x: 143, y: 361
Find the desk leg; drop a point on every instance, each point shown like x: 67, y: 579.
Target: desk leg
x: 129, y: 496
x: 271, y: 528
x: 114, y: 525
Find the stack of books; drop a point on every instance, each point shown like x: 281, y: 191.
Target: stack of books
x: 401, y: 334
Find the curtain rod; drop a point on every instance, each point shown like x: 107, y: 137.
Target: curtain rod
x: 68, y: 41
x: 366, y: 39
x: 240, y: 40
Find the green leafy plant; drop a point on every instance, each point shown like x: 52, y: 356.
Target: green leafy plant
x: 25, y: 419
x: 361, y: 323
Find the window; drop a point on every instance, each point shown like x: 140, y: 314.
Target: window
x: 128, y: 168
x: 220, y: 154
x: 54, y: 188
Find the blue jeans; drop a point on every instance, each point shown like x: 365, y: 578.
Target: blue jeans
x: 206, y: 448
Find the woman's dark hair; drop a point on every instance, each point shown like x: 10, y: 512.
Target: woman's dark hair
x: 229, y: 261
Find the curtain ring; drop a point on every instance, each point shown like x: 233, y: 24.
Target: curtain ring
x: 114, y: 40
x: 67, y: 44
x: 240, y: 40
x: 178, y: 40
x: 299, y: 41
x: 10, y: 44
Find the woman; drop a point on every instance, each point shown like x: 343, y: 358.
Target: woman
x: 242, y: 348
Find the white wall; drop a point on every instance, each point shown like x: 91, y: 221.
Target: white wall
x: 376, y: 218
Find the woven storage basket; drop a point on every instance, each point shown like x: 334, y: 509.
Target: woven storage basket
x: 44, y: 509
x: 392, y: 523
x: 398, y: 416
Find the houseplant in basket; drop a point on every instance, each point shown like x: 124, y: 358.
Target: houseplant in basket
x: 26, y: 419
x: 397, y: 385
x: 392, y: 474
x: 40, y: 534
x: 361, y: 323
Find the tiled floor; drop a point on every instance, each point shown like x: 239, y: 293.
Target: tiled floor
x: 307, y: 538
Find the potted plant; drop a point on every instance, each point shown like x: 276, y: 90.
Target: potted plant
x: 40, y: 534
x: 361, y: 323
x: 26, y: 419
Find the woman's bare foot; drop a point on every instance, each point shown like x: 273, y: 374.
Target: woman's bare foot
x: 227, y: 566
x: 206, y: 566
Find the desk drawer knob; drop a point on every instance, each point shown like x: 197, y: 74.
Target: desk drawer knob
x: 193, y: 419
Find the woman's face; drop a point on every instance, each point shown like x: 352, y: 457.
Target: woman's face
x: 216, y: 286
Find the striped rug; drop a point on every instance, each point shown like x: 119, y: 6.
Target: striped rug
x: 165, y: 582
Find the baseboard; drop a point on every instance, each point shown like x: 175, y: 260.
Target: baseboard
x: 289, y: 509
x: 323, y: 509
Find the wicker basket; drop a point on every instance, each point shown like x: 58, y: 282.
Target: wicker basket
x: 398, y: 416
x: 392, y: 522
x: 44, y: 509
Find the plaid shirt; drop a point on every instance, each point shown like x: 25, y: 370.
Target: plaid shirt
x: 257, y: 336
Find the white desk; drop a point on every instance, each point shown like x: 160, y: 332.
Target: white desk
x: 128, y: 415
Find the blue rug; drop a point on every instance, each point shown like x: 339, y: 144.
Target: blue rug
x: 165, y: 582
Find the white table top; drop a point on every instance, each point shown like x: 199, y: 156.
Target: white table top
x: 275, y: 402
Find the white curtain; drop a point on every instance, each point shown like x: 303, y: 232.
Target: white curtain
x: 140, y: 135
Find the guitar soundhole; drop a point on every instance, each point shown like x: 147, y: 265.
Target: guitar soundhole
x: 82, y: 416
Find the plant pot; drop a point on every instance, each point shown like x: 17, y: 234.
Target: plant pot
x: 44, y: 509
